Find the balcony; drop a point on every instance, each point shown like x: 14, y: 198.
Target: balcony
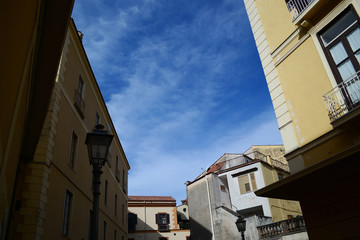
x: 281, y: 228
x: 296, y: 7
x: 302, y: 11
x: 344, y: 99
x: 163, y: 227
x: 79, y: 104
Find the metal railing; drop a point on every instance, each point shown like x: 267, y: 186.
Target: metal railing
x: 344, y: 98
x: 296, y: 7
x: 280, y: 228
x: 273, y: 162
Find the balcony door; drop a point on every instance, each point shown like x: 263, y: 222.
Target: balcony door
x: 341, y: 43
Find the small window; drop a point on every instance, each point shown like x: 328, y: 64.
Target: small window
x: 122, y: 214
x: 80, y: 86
x: 163, y: 238
x: 115, y: 233
x: 184, y: 209
x: 97, y: 119
x: 106, y: 192
x: 79, y: 98
x: 244, y: 184
x: 74, y: 142
x: 223, y: 188
x: 115, y: 208
x: 123, y: 180
x: 253, y: 181
x: 104, y: 235
x: 247, y: 187
x: 280, y: 176
x: 66, y: 215
x: 162, y: 220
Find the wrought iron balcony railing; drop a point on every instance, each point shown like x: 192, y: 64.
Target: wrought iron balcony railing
x: 296, y: 7
x: 344, y: 98
x: 281, y: 228
x: 163, y: 227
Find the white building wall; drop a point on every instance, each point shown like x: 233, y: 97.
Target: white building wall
x: 247, y: 200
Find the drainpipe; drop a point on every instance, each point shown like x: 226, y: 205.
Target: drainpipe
x: 145, y: 219
x: 211, y: 217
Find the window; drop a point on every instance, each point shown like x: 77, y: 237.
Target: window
x: 106, y: 192
x: 162, y: 220
x: 104, y: 234
x: 132, y: 219
x: 97, y: 119
x: 79, y: 102
x: 74, y: 141
x: 66, y: 216
x: 115, y: 233
x: 163, y: 238
x: 123, y: 180
x: 123, y: 214
x: 223, y: 188
x: 280, y: 176
x: 117, y: 172
x: 340, y: 40
x: 115, y: 208
x: 253, y: 181
x: 80, y: 86
x: 247, y: 185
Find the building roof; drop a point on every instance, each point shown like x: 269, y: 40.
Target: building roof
x: 152, y: 198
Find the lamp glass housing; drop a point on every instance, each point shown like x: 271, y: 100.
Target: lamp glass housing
x: 241, y: 224
x: 98, y: 142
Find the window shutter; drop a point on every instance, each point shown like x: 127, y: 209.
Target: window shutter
x: 157, y: 218
x: 167, y: 218
x: 243, y: 180
x: 253, y: 181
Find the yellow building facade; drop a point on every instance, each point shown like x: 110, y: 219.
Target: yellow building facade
x: 310, y: 53
x: 29, y: 59
x: 53, y: 198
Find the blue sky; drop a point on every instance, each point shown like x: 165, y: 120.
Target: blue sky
x: 182, y: 81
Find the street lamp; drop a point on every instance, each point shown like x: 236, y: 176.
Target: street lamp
x: 241, y: 225
x: 98, y: 142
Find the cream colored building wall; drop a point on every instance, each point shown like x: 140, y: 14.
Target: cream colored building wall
x: 147, y: 219
x: 147, y: 229
x: 78, y: 180
x: 282, y: 113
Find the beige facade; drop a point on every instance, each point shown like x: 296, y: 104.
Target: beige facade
x: 54, y: 196
x: 309, y: 51
x: 154, y: 218
x: 30, y: 55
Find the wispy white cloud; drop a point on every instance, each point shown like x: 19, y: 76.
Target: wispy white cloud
x: 181, y: 83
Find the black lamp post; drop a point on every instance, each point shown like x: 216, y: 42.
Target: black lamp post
x: 241, y: 225
x: 98, y: 142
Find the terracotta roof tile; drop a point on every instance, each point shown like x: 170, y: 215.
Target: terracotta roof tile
x: 151, y: 198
